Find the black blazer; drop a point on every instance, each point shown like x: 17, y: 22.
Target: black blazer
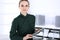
x: 21, y: 26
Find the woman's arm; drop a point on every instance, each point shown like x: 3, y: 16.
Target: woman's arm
x: 13, y: 32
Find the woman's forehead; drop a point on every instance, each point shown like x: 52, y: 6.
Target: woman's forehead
x: 24, y: 3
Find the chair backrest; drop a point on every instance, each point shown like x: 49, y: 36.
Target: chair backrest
x: 57, y: 21
x: 40, y: 20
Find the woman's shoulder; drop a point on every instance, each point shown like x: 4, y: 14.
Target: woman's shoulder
x: 16, y: 18
x: 32, y: 16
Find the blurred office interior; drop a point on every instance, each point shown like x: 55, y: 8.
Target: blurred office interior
x: 47, y: 13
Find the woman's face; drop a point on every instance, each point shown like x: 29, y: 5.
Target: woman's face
x: 24, y: 6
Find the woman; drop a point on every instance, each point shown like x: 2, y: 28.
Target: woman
x: 23, y: 25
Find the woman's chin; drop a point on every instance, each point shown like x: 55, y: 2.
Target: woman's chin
x: 24, y: 12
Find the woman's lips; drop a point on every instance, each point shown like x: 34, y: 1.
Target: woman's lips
x: 24, y: 10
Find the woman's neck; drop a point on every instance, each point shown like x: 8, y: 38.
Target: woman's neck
x: 24, y: 14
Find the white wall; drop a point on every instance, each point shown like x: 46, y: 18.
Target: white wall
x: 49, y: 8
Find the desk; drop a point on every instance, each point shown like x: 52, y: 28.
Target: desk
x: 48, y: 27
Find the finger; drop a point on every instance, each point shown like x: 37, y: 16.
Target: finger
x: 30, y: 37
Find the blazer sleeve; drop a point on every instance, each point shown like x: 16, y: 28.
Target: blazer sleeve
x: 33, y: 23
x: 13, y: 32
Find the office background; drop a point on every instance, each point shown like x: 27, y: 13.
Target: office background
x: 48, y: 9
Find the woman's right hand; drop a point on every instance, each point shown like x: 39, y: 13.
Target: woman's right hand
x: 28, y: 36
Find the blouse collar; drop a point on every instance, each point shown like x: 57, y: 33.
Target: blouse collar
x: 23, y: 15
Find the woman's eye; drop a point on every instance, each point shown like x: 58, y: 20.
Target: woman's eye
x: 26, y: 5
x: 22, y: 5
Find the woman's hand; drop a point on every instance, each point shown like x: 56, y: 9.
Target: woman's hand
x: 28, y: 36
